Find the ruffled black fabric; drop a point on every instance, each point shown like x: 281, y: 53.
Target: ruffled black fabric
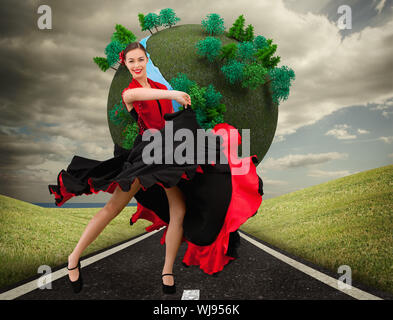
x: 207, y: 194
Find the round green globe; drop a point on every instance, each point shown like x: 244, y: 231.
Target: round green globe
x: 173, y: 50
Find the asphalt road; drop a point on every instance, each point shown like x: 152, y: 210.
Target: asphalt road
x: 134, y: 273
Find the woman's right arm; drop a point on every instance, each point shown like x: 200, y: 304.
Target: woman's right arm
x: 142, y: 94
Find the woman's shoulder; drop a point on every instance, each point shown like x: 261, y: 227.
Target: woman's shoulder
x: 159, y: 84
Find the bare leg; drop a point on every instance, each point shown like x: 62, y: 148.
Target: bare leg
x: 95, y: 226
x: 174, y: 234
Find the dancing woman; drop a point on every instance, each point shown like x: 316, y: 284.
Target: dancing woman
x: 202, y: 204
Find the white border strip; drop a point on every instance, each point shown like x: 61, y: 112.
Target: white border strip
x: 33, y: 285
x: 352, y: 291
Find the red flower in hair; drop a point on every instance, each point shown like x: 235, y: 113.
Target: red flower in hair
x: 122, y: 58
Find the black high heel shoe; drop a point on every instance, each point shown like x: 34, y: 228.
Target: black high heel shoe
x: 77, y: 284
x: 169, y: 289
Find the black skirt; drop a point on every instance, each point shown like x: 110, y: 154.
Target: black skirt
x: 217, y: 202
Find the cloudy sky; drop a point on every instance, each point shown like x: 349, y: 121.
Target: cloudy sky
x: 337, y: 121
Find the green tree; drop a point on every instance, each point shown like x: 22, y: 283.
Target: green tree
x: 119, y: 40
x: 280, y: 82
x: 120, y: 116
x: 152, y: 20
x: 168, y: 17
x: 205, y: 101
x: 112, y: 51
x: 233, y: 71
x: 102, y: 63
x: 129, y: 134
x: 198, y: 103
x: 260, y: 42
x: 237, y: 29
x: 264, y: 56
x: 213, y: 24
x: 197, y: 95
x: 141, y: 18
x: 214, y: 110
x: 182, y: 83
x: 212, y: 97
x: 246, y: 51
x: 123, y: 35
x: 249, y: 33
x: 229, y: 51
x: 209, y: 47
x: 253, y: 75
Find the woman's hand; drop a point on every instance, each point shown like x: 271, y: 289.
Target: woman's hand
x: 182, y: 97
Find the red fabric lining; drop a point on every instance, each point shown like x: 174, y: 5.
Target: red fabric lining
x: 147, y: 214
x: 244, y: 203
x: 68, y: 195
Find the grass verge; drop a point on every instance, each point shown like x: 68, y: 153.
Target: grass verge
x: 31, y: 236
x: 347, y: 221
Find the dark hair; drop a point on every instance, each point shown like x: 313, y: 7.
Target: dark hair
x: 132, y: 46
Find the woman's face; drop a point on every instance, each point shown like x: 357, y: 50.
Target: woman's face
x: 136, y: 61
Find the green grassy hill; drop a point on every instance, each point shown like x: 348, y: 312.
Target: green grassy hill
x: 31, y: 236
x: 347, y: 221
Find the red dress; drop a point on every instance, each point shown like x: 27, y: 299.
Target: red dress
x: 151, y: 111
x: 218, y: 202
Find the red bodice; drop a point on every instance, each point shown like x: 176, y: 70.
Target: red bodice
x: 150, y: 112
